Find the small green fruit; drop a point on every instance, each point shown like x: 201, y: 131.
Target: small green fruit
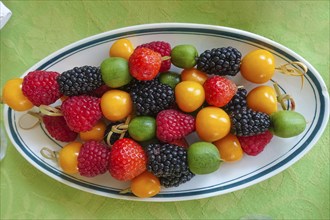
x: 169, y: 78
x: 142, y: 128
x: 203, y: 158
x: 184, y: 56
x: 287, y: 124
x: 115, y: 72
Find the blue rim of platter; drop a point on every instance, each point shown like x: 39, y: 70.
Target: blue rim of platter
x: 318, y: 118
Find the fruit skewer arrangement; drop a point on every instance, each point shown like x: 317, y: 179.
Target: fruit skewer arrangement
x: 131, y: 115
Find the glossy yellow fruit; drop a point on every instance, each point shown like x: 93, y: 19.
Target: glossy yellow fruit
x: 96, y: 133
x: 13, y: 96
x: 121, y: 48
x: 262, y: 99
x: 68, y: 157
x: 189, y: 95
x: 193, y: 74
x: 258, y: 66
x: 145, y: 185
x: 116, y: 105
x: 229, y: 148
x: 212, y: 124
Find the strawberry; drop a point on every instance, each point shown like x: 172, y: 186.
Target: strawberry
x: 253, y: 145
x: 81, y: 112
x: 58, y: 129
x: 164, y: 49
x: 173, y: 125
x: 127, y: 160
x: 93, y: 158
x: 144, y: 63
x: 219, y: 90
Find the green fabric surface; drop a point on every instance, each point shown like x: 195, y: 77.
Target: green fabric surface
x: 38, y: 28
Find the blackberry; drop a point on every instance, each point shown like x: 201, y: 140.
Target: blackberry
x: 151, y: 97
x: 220, y: 61
x: 238, y: 101
x: 246, y: 122
x: 110, y: 139
x: 173, y: 181
x: 133, y: 85
x: 169, y: 163
x: 80, y: 80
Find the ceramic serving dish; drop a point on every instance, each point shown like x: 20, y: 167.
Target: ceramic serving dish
x: 312, y: 100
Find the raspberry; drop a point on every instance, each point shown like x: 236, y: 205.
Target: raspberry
x: 219, y: 91
x: 127, y: 159
x: 173, y: 124
x: 100, y: 91
x: 81, y: 112
x: 41, y: 87
x: 58, y: 129
x: 144, y: 63
x: 253, y: 145
x: 93, y: 159
x: 164, y: 49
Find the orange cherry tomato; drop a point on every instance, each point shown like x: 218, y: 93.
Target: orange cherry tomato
x: 145, y: 185
x: 212, y: 124
x: 96, y: 133
x: 258, y: 66
x: 189, y: 95
x: 13, y: 96
x: 116, y: 105
x: 121, y: 48
x: 229, y: 148
x: 68, y: 157
x: 193, y: 74
x: 262, y: 99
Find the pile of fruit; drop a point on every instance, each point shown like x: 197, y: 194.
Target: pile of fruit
x: 131, y: 115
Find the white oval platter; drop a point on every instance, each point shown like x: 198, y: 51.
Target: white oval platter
x: 312, y: 101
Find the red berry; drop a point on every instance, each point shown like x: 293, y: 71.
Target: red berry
x: 127, y: 159
x: 180, y: 142
x: 41, y: 87
x: 173, y: 125
x: 144, y: 63
x: 100, y: 91
x: 164, y: 49
x: 58, y: 129
x: 93, y: 159
x: 81, y: 112
x: 253, y: 145
x: 219, y: 90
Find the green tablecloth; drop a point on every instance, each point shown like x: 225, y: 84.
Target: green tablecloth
x: 38, y: 28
